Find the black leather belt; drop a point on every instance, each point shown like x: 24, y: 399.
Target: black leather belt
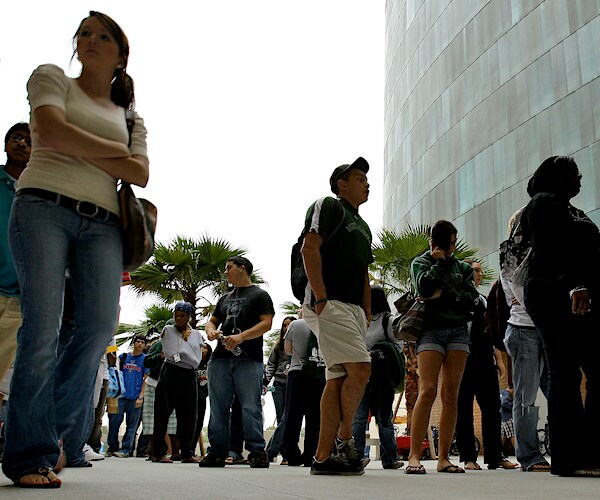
x: 83, y: 208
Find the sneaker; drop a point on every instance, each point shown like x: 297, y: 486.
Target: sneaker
x: 335, y: 465
x: 348, y: 449
x: 258, y: 460
x: 121, y: 454
x: 212, y: 460
x: 91, y: 455
x: 398, y: 464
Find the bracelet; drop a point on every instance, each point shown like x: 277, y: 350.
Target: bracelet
x: 320, y: 301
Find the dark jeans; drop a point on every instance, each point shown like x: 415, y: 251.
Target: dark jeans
x: 236, y: 428
x: 303, y: 400
x: 96, y: 435
x: 480, y: 380
x: 202, y: 395
x: 275, y: 445
x: 176, y: 390
x: 383, y: 417
x: 571, y: 343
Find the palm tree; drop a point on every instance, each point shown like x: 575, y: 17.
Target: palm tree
x: 187, y: 269
x: 289, y: 308
x: 156, y: 319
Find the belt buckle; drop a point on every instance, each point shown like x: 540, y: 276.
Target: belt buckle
x: 80, y: 205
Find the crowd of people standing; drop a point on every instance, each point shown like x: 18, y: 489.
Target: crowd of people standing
x: 61, y: 272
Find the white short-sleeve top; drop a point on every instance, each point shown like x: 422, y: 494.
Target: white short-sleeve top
x: 74, y: 176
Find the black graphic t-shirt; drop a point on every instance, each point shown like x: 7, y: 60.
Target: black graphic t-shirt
x: 238, y: 311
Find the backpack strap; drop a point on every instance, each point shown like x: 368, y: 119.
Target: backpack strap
x: 122, y: 359
x: 385, y: 322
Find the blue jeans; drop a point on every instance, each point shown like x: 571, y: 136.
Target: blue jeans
x: 46, y: 240
x: 244, y: 376
x: 126, y: 407
x: 275, y: 445
x: 383, y: 418
x: 524, y: 346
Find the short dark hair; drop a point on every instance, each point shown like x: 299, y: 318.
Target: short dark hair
x: 139, y: 337
x: 240, y: 261
x: 379, y: 301
x: 441, y: 232
x: 16, y: 126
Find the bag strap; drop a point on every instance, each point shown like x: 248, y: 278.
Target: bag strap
x: 385, y: 322
x: 336, y: 227
x: 130, y: 120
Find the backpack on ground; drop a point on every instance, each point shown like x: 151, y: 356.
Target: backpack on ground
x: 389, y: 366
x: 314, y: 366
x: 298, y: 278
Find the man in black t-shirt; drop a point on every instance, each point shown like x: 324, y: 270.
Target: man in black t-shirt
x: 239, y: 321
x: 337, y: 307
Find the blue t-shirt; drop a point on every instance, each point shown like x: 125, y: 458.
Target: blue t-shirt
x: 9, y: 286
x: 133, y: 375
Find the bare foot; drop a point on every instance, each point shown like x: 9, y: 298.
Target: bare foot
x: 472, y: 466
x: 45, y: 478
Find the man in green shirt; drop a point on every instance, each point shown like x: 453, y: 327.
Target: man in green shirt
x: 337, y: 253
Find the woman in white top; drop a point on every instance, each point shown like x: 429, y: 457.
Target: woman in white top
x: 65, y: 216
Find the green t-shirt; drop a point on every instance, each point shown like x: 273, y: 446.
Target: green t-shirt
x: 346, y: 251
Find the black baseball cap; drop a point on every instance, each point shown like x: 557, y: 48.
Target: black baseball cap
x: 360, y: 163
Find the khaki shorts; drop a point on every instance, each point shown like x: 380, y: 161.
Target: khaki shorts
x: 341, y: 329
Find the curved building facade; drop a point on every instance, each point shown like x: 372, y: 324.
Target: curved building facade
x: 478, y: 93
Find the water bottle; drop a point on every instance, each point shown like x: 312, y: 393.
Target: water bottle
x: 237, y: 350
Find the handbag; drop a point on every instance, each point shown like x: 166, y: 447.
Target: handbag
x: 116, y: 384
x: 138, y: 221
x: 138, y: 225
x: 410, y: 325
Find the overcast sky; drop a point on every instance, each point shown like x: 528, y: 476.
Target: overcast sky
x: 249, y: 106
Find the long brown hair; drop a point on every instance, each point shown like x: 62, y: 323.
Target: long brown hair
x: 121, y: 92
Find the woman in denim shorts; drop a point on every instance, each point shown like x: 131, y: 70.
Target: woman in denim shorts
x: 447, y: 286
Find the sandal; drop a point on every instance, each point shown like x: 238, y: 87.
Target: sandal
x: 191, y: 460
x: 52, y: 482
x: 229, y: 461
x: 452, y: 469
x: 539, y: 467
x: 474, y: 466
x: 415, y: 469
x: 162, y: 460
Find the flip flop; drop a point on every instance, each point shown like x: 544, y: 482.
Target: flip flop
x: 415, y: 469
x: 191, y: 460
x: 162, y: 460
x: 44, y: 471
x: 452, y: 469
x: 476, y: 466
x: 539, y: 467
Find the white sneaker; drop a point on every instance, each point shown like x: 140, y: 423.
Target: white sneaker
x: 91, y: 455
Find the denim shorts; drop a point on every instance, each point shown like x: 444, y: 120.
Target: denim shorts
x: 444, y: 339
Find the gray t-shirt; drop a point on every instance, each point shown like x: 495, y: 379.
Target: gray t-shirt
x: 298, y: 333
x: 375, y: 332
x: 179, y: 352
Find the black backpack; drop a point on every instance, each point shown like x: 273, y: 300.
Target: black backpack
x: 314, y: 366
x: 391, y: 367
x: 298, y: 278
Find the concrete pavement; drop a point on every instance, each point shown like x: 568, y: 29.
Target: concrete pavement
x: 134, y: 478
